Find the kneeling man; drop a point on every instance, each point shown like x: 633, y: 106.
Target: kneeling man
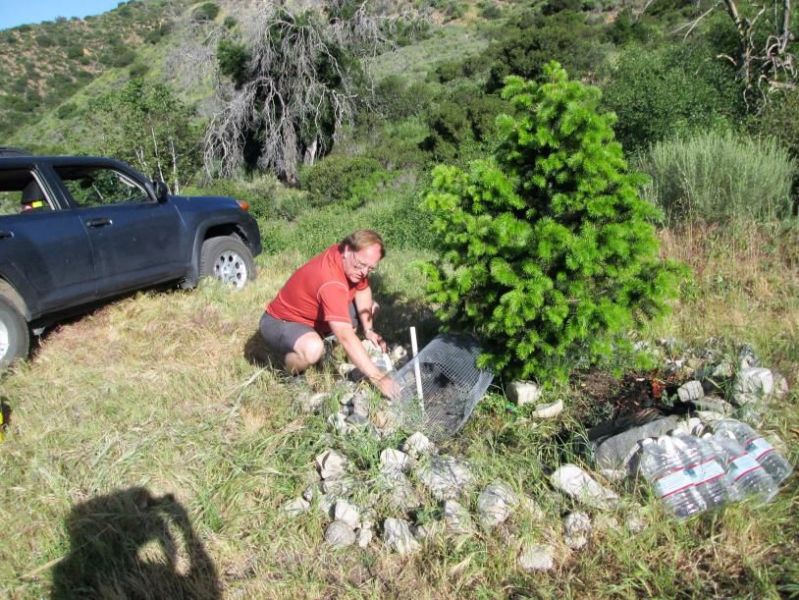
x: 329, y: 293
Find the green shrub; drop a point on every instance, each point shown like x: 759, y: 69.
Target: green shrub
x: 138, y: 70
x: 547, y: 252
x: 716, y: 177
x: 527, y: 43
x: 395, y: 98
x: 75, y: 51
x: 348, y: 179
x: 461, y: 125
x: 230, y: 22
x: 675, y: 89
x: 205, y: 12
x: 66, y: 110
x: 779, y: 120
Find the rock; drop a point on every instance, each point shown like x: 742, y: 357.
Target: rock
x: 401, y: 494
x: 617, y: 452
x: 331, y: 464
x: 537, y: 557
x: 723, y: 370
x: 577, y: 529
x: 747, y: 359
x: 575, y: 482
x: 348, y: 513
x: 690, y: 391
x: 523, y: 392
x: 296, y: 507
x: 752, y: 385
x: 360, y: 405
x: 398, y: 354
x: 445, y: 477
x: 457, y: 519
x: 344, y: 369
x: 387, y: 421
x: 495, y: 504
x: 532, y: 508
x: 394, y: 461
x: 548, y: 411
x: 397, y: 536
x: 311, y: 492
x: 357, y: 420
x: 337, y: 488
x: 338, y: 421
x: 715, y: 404
x: 424, y: 531
x: 339, y: 534
x: 364, y: 536
x: 418, y: 445
x: 313, y: 402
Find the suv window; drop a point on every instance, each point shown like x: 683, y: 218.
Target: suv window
x: 21, y: 193
x: 100, y: 186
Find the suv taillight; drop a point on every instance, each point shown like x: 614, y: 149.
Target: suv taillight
x: 243, y: 205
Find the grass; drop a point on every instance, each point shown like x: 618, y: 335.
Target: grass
x: 157, y: 414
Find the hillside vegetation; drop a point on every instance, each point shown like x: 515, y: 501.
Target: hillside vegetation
x: 153, y: 444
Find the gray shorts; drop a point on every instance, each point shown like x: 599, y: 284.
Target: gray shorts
x: 281, y: 335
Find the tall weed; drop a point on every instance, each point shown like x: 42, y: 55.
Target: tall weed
x: 717, y: 177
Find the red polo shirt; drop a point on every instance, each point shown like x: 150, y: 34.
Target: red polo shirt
x: 317, y: 293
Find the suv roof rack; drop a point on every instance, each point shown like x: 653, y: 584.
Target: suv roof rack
x: 9, y: 151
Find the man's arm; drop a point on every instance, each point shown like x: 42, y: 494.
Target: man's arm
x: 364, y: 305
x: 357, y: 354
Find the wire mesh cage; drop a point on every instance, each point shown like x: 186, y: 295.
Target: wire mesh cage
x: 451, y: 386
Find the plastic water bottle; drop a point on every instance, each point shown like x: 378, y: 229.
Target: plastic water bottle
x: 745, y: 476
x: 704, y: 466
x: 663, y: 467
x: 757, y: 447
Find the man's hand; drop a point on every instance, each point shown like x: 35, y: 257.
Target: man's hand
x: 376, y: 339
x: 388, y: 387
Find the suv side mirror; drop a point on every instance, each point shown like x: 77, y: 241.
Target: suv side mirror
x: 160, y: 190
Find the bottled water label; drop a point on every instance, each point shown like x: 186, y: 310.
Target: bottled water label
x: 673, y: 483
x: 759, y: 448
x: 743, y: 465
x: 706, y: 472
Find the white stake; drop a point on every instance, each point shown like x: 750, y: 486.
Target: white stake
x: 416, y: 371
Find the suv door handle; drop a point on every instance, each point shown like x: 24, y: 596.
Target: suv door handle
x: 99, y: 222
x: 5, y: 235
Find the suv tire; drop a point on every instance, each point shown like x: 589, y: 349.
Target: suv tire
x: 228, y: 260
x: 14, y: 334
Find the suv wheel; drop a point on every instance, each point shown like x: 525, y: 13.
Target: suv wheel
x: 228, y: 260
x: 14, y: 334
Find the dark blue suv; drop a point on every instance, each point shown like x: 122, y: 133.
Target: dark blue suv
x: 75, y: 231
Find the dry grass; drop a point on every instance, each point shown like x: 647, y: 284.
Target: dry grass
x: 160, y: 403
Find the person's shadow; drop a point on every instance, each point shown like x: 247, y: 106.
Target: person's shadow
x: 133, y: 545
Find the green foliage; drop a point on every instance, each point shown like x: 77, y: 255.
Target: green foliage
x: 352, y: 180
x: 547, y: 251
x: 656, y: 93
x: 232, y: 58
x: 147, y: 125
x: 205, y: 12
x: 395, y: 98
x: 778, y: 120
x: 527, y: 43
x: 74, y: 51
x: 461, y: 124
x: 714, y: 177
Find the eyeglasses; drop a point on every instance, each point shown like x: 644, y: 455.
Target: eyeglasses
x: 360, y: 266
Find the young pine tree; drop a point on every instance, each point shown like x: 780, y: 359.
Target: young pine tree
x: 548, y: 253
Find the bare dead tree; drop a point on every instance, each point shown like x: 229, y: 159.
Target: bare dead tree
x: 299, y: 88
x: 765, y: 59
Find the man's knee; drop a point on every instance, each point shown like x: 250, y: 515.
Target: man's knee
x: 310, y: 348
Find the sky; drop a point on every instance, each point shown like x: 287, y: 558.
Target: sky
x: 17, y: 12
